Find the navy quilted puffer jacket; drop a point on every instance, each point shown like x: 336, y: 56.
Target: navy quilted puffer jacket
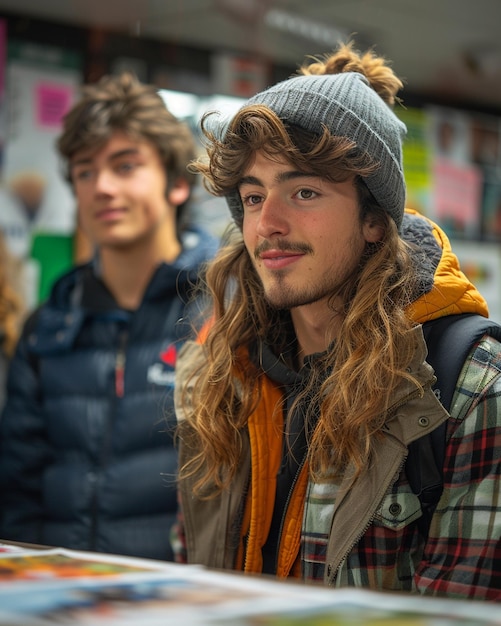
x: 86, y: 454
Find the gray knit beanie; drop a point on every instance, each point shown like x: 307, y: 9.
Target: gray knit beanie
x: 347, y: 105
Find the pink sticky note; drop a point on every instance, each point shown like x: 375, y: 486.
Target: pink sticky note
x: 52, y: 103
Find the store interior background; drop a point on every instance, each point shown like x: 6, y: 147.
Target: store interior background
x: 211, y: 54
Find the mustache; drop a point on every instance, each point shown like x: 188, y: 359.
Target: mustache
x: 282, y: 245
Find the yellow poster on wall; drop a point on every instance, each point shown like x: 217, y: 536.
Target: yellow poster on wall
x: 416, y: 159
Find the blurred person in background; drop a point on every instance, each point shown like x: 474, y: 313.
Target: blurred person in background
x: 86, y: 454
x: 11, y: 312
x: 300, y: 402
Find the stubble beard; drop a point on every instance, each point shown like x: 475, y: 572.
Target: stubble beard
x: 282, y: 292
x: 283, y: 296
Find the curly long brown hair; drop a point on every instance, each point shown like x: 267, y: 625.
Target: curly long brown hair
x: 374, y: 346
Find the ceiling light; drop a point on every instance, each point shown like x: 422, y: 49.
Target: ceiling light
x: 308, y: 29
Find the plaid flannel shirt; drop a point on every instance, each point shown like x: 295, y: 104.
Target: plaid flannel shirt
x: 462, y: 555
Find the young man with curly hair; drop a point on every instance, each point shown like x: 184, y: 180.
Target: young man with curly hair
x: 86, y: 454
x: 299, y: 401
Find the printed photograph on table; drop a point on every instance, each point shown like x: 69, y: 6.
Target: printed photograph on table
x: 57, y: 586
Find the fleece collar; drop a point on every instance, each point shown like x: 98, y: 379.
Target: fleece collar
x: 444, y: 289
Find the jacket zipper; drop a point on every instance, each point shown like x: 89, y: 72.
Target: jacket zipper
x: 332, y: 576
x: 119, y: 392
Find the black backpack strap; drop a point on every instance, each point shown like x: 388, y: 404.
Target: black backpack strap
x: 449, y: 340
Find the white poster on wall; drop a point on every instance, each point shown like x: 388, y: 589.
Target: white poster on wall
x: 482, y: 265
x: 41, y: 85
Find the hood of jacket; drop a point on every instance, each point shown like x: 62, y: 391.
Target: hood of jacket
x: 80, y: 293
x: 444, y: 289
